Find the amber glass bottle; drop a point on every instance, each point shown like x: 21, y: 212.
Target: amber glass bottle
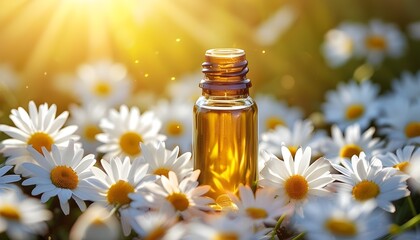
x: 225, y: 136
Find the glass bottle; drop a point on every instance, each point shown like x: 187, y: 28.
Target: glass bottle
x: 225, y: 134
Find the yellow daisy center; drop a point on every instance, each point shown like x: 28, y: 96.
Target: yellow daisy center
x: 98, y: 221
x: 174, y: 128
x: 179, y: 201
x: 354, y: 111
x: 118, y: 193
x: 365, y: 190
x: 64, y: 177
x: 156, y: 233
x: 341, y: 227
x: 162, y: 171
x: 226, y: 236
x: 90, y: 132
x: 130, y: 143
x: 349, y: 150
x: 293, y: 150
x: 296, y: 187
x: 376, y: 42
x: 102, y: 89
x: 273, y: 121
x: 402, y: 166
x: 39, y: 140
x: 412, y: 129
x: 9, y: 212
x: 256, y: 213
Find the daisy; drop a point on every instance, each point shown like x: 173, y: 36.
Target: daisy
x: 340, y: 44
x: 40, y: 128
x: 63, y: 172
x: 87, y: 118
x: 381, y: 40
x: 6, y: 179
x: 104, y: 82
x: 301, y: 134
x: 401, y: 158
x: 223, y: 227
x: 272, y: 29
x: 97, y: 222
x: 273, y: 112
x: 162, y: 224
x: 408, y: 86
x: 413, y: 170
x: 352, y: 103
x: 121, y: 178
x: 124, y: 130
x: 401, y: 122
x: 366, y: 179
x: 294, y: 178
x: 176, y: 123
x: 22, y: 217
x: 343, y: 145
x: 414, y: 30
x: 161, y: 161
x: 185, y: 89
x: 340, y: 217
x: 186, y: 197
x: 263, y: 207
x: 9, y: 78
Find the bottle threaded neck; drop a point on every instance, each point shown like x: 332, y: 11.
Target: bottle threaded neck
x: 225, y: 69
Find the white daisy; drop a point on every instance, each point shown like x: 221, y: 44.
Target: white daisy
x: 401, y: 158
x: 273, y: 112
x: 40, y: 128
x: 223, y: 227
x: 22, y: 217
x: 186, y: 196
x: 124, y: 130
x: 272, y: 29
x: 63, y: 172
x: 263, y: 207
x: 9, y: 80
x: 87, y: 118
x: 413, y: 170
x: 176, y: 123
x: 185, y: 89
x: 294, y: 178
x: 352, y: 103
x: 401, y: 122
x: 408, y: 86
x: 414, y: 30
x: 104, y: 82
x: 161, y: 161
x: 162, y: 224
x: 120, y: 179
x: 301, y: 134
x: 97, y: 222
x: 381, y: 40
x: 340, y: 217
x: 343, y: 145
x: 6, y: 179
x: 340, y: 44
x: 366, y: 179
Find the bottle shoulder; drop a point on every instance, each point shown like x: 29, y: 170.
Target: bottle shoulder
x: 225, y: 103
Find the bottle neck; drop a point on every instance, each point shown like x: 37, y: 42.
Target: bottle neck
x: 225, y: 73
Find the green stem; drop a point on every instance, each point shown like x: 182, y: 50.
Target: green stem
x: 278, y: 224
x: 300, y: 236
x: 411, y: 204
x: 395, y: 230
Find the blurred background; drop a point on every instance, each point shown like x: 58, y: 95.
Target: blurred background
x: 160, y: 42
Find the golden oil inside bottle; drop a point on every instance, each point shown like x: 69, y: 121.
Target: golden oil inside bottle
x: 225, y: 138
